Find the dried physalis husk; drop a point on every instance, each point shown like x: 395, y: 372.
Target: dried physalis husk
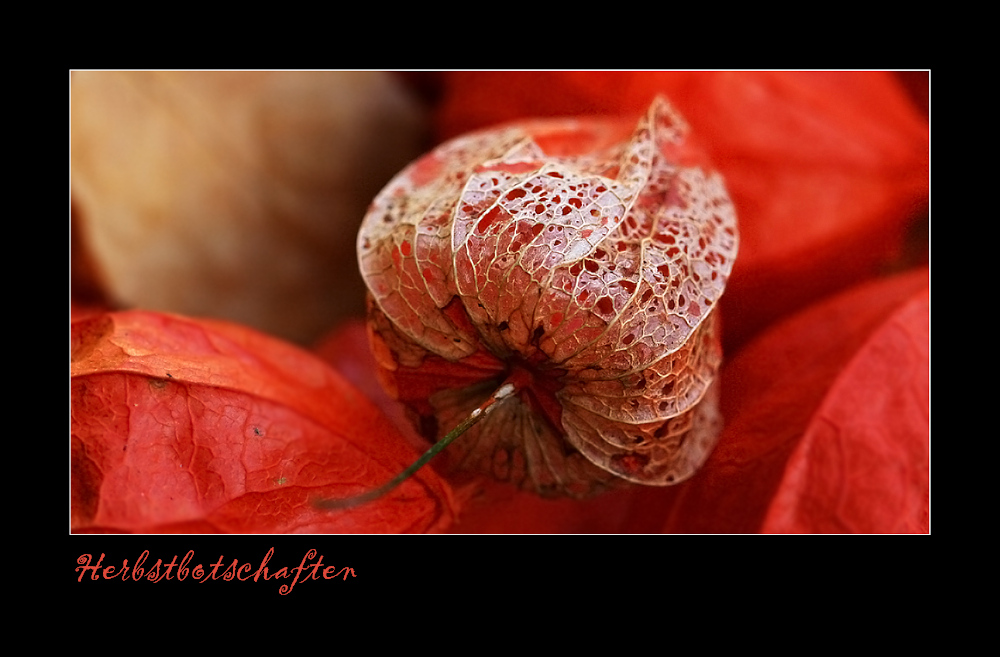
x: 574, y: 266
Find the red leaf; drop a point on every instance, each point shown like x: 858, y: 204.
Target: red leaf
x: 826, y: 170
x: 807, y: 445
x: 863, y: 464
x: 195, y: 425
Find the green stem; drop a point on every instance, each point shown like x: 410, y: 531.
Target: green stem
x: 500, y: 394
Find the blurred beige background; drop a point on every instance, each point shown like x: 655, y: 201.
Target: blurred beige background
x: 235, y: 195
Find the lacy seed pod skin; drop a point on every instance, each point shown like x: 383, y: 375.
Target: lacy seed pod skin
x: 580, y: 263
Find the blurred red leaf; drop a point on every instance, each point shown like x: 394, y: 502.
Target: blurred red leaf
x: 827, y: 169
x: 182, y: 425
x: 827, y: 422
x: 348, y: 350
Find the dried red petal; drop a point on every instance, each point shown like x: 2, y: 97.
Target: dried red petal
x: 575, y: 260
x: 801, y: 450
x: 194, y: 425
